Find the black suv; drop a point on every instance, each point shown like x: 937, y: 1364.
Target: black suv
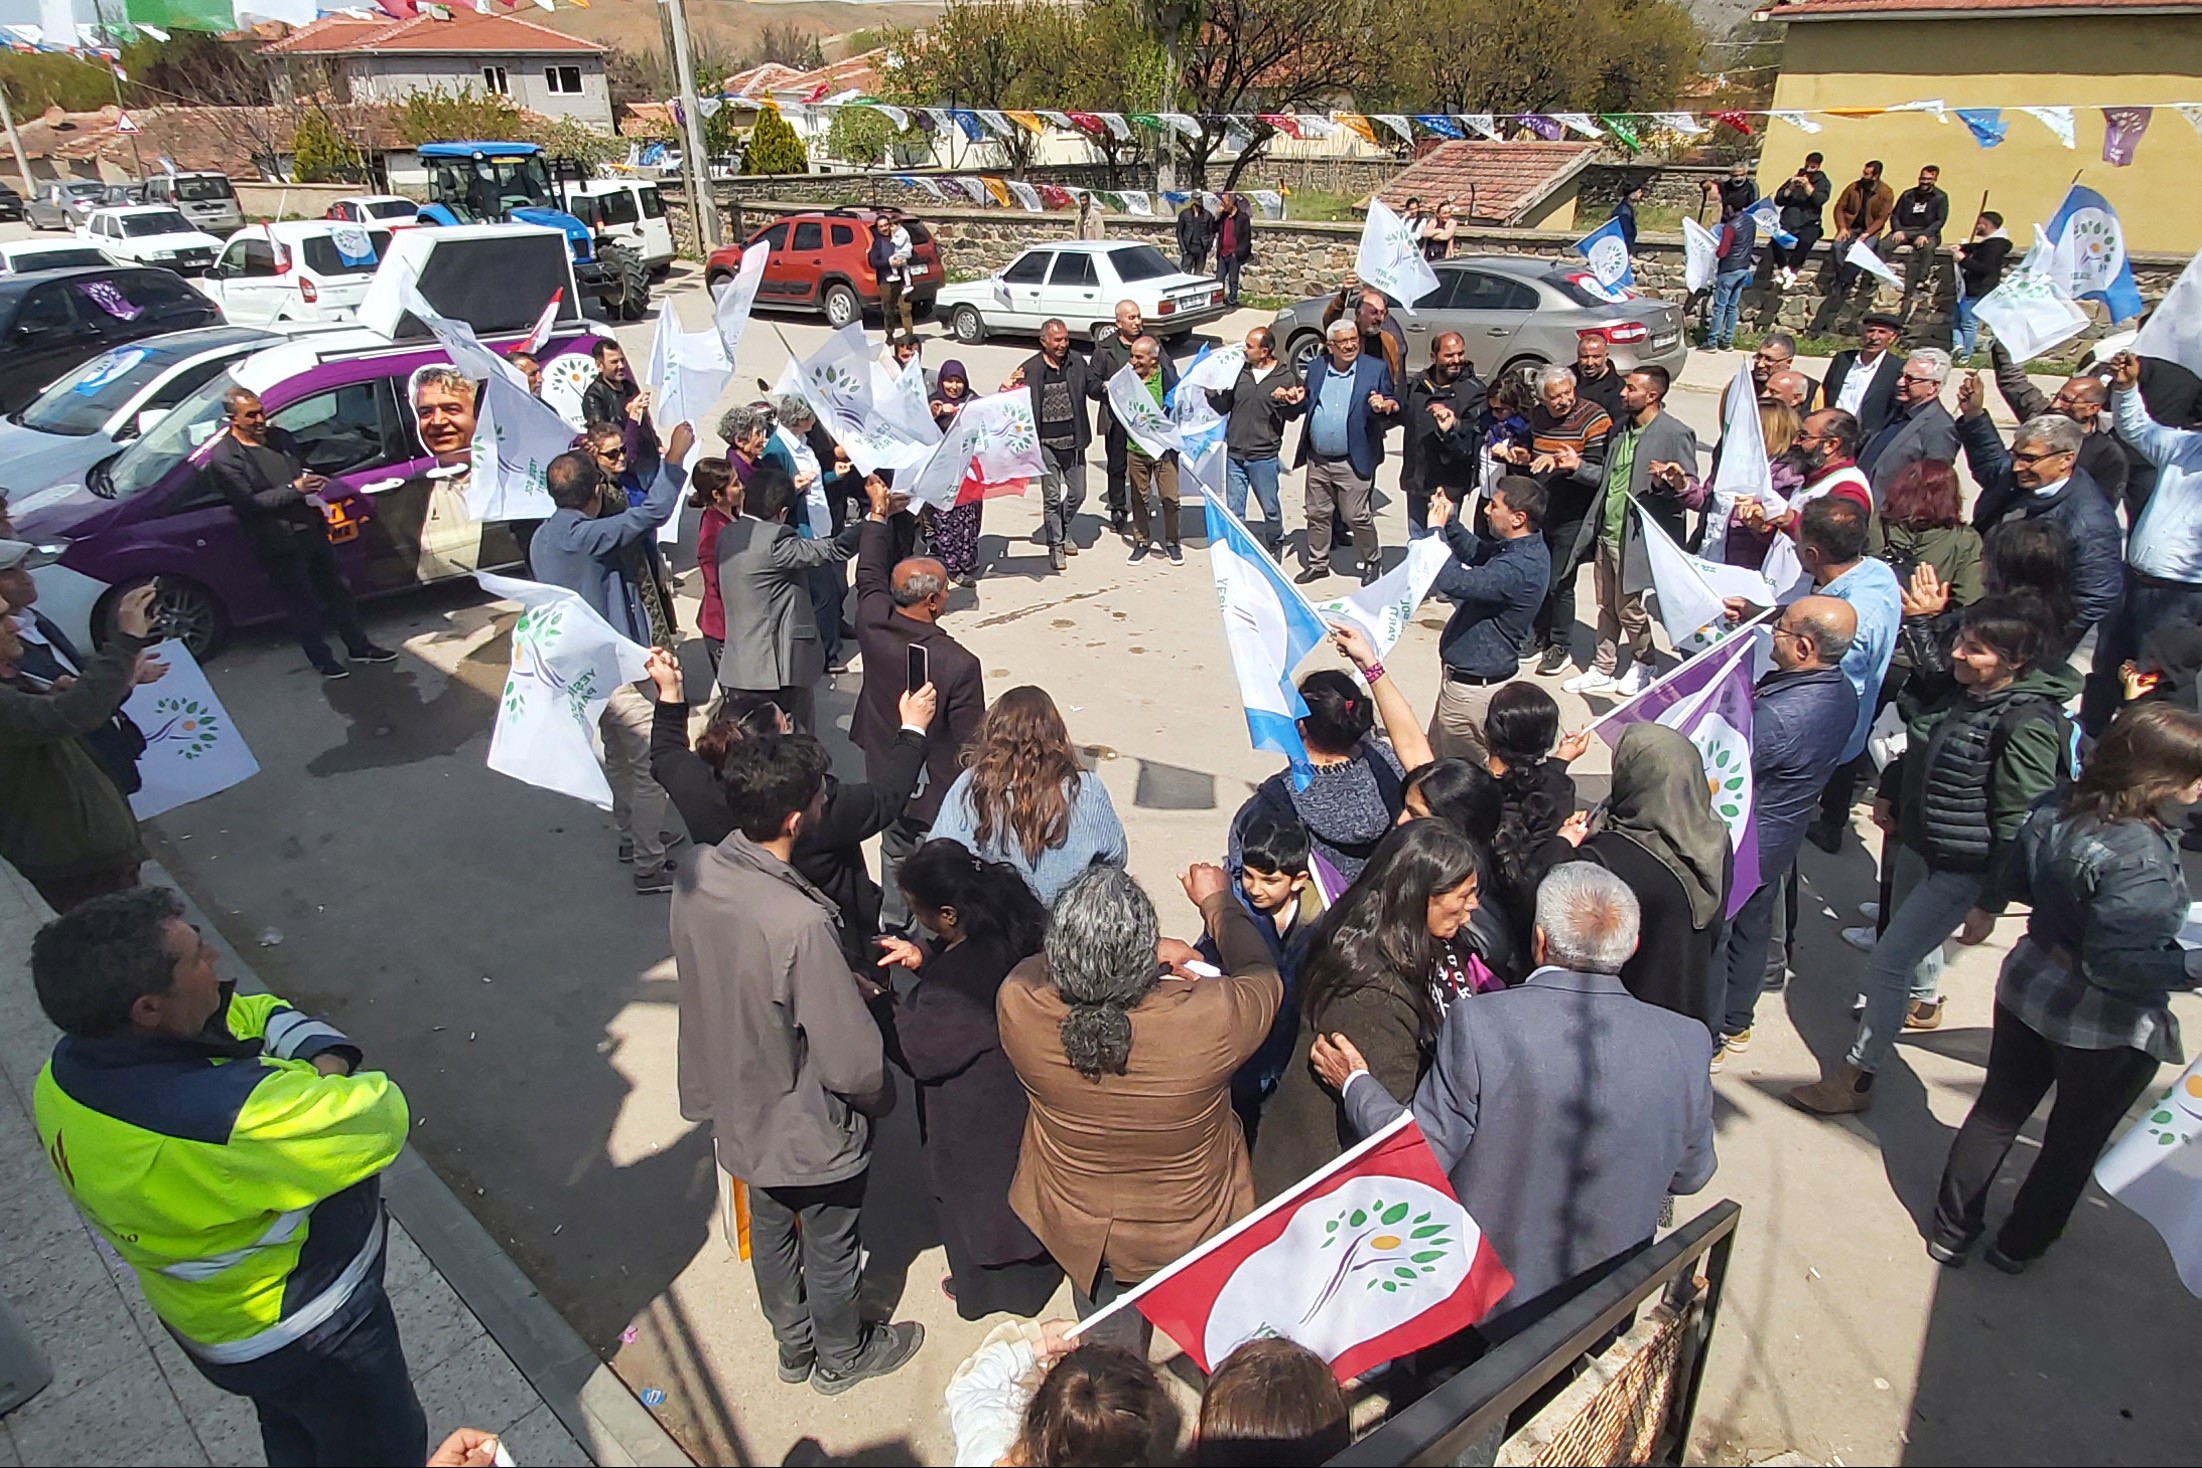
x: 56, y: 319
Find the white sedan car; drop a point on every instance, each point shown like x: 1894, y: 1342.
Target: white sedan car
x: 380, y: 211
x: 295, y: 270
x: 20, y: 257
x: 150, y: 234
x: 1081, y: 281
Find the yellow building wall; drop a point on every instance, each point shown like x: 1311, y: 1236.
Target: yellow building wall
x: 2007, y: 62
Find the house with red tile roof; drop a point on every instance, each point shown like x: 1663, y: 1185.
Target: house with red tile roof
x: 385, y: 60
x: 1864, y: 56
x: 1521, y: 185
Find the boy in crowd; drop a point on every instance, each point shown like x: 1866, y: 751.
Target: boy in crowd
x: 1276, y: 887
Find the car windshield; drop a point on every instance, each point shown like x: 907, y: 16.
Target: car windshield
x: 158, y: 222
x: 1140, y: 262
x: 200, y: 190
x: 392, y: 208
x: 146, y: 462
x: 83, y: 400
x: 84, y: 190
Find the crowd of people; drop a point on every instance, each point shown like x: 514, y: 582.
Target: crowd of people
x: 1426, y: 919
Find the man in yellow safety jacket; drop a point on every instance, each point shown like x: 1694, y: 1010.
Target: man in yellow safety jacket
x: 230, y: 1150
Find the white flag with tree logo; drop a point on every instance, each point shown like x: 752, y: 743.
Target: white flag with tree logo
x: 566, y: 660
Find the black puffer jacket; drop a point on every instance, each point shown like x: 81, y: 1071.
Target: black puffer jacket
x: 1975, y: 764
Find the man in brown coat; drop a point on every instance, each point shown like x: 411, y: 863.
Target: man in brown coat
x: 1132, y: 1154
x: 780, y: 1055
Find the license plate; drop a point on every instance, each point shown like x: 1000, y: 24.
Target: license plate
x: 1192, y: 302
x: 1666, y: 339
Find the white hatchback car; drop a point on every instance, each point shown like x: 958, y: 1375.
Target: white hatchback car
x: 295, y: 270
x: 1081, y: 281
x: 381, y: 211
x: 150, y: 234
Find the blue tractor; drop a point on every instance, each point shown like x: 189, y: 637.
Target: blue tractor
x: 494, y: 182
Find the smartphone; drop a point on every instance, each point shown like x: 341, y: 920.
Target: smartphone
x: 916, y: 670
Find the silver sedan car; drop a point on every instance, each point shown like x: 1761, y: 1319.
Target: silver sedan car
x: 1514, y: 311
x: 66, y: 204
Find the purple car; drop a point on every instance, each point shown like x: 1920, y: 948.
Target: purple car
x: 151, y: 513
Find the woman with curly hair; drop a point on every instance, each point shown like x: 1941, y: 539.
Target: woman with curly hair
x: 1024, y: 799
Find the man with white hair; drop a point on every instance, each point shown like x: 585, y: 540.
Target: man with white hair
x: 1347, y: 400
x: 1917, y: 428
x: 1564, y: 1110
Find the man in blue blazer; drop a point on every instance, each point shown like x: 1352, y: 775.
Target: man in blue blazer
x: 1347, y: 400
x: 1564, y: 1110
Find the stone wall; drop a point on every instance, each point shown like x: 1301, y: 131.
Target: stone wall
x: 1330, y: 175
x: 1666, y: 185
x: 1296, y: 260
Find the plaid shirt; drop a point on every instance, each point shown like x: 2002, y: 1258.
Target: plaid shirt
x: 2047, y: 991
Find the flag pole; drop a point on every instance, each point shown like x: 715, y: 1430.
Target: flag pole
x: 1683, y: 667
x: 1285, y: 1199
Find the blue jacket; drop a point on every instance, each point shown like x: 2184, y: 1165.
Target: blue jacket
x: 1252, y: 1082
x: 1499, y: 584
x: 1364, y: 428
x: 583, y: 555
x: 1800, y: 723
x: 2098, y: 545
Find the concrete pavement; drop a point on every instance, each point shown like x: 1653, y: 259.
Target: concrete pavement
x: 478, y: 936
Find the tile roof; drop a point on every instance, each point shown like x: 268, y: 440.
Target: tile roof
x: 859, y: 73
x: 1504, y: 179
x: 198, y: 139
x: 466, y: 33
x: 1838, y: 9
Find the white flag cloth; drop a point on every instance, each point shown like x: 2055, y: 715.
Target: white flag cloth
x: 516, y: 435
x: 1482, y: 123
x: 566, y: 660
x: 2057, y: 119
x: 1700, y: 256
x: 1861, y: 254
x: 731, y: 308
x: 1685, y: 123
x: 1690, y: 590
x: 1384, y: 607
x: 993, y: 441
x: 1134, y: 405
x: 2192, y: 112
x: 1137, y: 202
x: 1579, y: 122
x: 686, y: 370
x: 1397, y: 122
x: 1801, y: 121
x: 1025, y: 194
x: 2029, y: 312
x: 1743, y: 473
x: 456, y: 337
x: 1391, y: 259
x: 2174, y: 332
x: 1199, y: 426
x: 540, y: 333
x: 844, y: 387
x: 903, y: 413
x: 1783, y: 573
x: 1268, y: 627
x: 2156, y: 1170
x: 192, y: 747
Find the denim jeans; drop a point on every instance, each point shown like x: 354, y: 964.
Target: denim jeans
x: 1925, y: 918
x: 1720, y: 325
x: 1062, y: 491
x: 1965, y: 332
x: 1261, y: 476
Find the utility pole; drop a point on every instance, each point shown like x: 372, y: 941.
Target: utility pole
x: 703, y: 204
x: 23, y: 165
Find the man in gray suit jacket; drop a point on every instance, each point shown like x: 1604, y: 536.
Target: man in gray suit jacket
x: 772, y: 643
x: 1565, y: 1110
x: 1919, y: 427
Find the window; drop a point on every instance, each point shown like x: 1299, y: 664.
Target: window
x: 251, y: 257
x: 46, y: 315
x: 618, y: 208
x: 154, y: 222
x: 201, y: 188
x: 809, y: 237
x: 565, y: 80
x: 1073, y: 269
x: 1474, y: 290
x: 774, y: 238
x: 335, y: 431
x: 918, y: 233
x: 494, y: 82
x: 653, y: 207
x: 1029, y: 268
x: 842, y: 234
x: 1140, y: 262
x: 323, y: 258
x: 387, y: 209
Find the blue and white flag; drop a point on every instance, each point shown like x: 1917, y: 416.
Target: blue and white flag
x: 1767, y: 216
x: 1985, y: 123
x: 2087, y: 254
x: 1607, y: 250
x: 1440, y: 124
x: 1269, y: 628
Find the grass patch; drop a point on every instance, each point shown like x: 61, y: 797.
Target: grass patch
x: 1320, y: 206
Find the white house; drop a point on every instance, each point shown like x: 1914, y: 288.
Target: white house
x: 384, y: 60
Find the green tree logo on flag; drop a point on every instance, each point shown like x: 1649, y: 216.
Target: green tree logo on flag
x: 1382, y: 1238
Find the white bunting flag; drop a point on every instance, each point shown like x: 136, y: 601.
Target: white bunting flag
x: 1579, y: 122
x: 1801, y: 121
x: 1137, y: 202
x: 1483, y: 124
x: 1397, y: 122
x: 1682, y: 122
x: 566, y: 661
x: 1025, y: 194
x: 1700, y: 256
x: 192, y: 747
x: 1934, y: 106
x: 2057, y: 119
x: 1390, y: 258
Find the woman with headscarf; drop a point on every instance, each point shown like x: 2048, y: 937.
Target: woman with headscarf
x: 955, y: 531
x: 1659, y: 834
x: 1132, y: 1154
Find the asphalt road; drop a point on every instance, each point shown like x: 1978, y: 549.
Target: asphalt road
x: 481, y: 940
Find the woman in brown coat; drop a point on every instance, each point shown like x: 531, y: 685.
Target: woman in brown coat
x: 1132, y: 1154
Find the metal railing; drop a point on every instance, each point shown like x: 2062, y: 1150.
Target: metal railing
x: 1463, y: 1418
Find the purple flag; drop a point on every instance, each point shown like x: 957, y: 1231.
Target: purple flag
x: 1544, y: 127
x: 2122, y: 129
x: 1708, y: 701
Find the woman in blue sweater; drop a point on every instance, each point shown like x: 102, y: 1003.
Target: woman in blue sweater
x: 1023, y: 798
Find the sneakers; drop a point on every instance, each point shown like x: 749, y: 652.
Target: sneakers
x: 1634, y: 681
x: 1923, y: 1014
x: 795, y: 1366
x: 887, y: 1349
x: 1371, y: 572
x: 1861, y: 939
x: 1140, y: 548
x: 1177, y: 556
x: 1728, y: 1045
x: 1950, y: 1253
x: 1311, y: 575
x: 1552, y: 663
x: 668, y: 839
x: 373, y: 654
x: 1870, y: 911
x: 1055, y: 557
x: 1843, y: 1091
x: 1590, y: 682
x: 1070, y: 547
x: 650, y: 880
x: 331, y: 670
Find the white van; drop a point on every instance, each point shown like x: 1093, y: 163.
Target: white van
x: 206, y: 199
x: 295, y: 270
x: 628, y: 211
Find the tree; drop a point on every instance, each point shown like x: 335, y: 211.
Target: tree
x: 787, y: 43
x: 773, y: 146
x: 319, y: 154
x: 1499, y: 56
x: 1275, y: 56
x: 860, y: 135
x: 438, y: 116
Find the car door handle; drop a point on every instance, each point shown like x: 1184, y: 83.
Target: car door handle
x: 1417, y: 326
x: 1498, y: 331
